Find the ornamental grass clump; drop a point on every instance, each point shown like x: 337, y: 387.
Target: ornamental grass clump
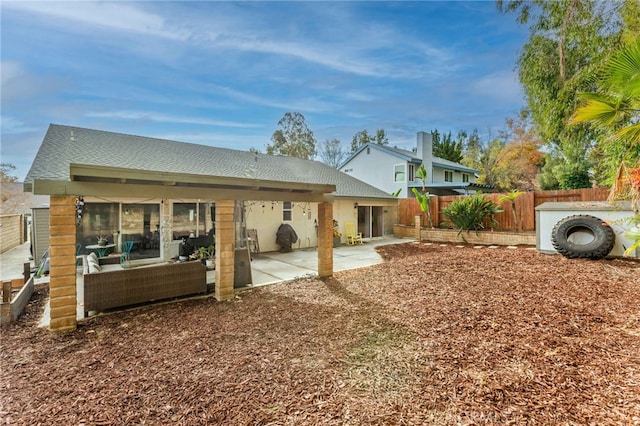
x: 472, y: 213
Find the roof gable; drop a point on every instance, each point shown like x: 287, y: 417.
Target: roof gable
x: 411, y: 157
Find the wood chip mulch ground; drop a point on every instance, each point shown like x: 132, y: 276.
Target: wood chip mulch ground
x: 436, y: 334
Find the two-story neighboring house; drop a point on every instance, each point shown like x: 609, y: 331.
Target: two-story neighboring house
x: 392, y: 169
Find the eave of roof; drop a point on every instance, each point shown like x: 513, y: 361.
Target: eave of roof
x: 453, y: 185
x: 445, y: 164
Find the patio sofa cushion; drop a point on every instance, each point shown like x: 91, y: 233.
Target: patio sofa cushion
x: 93, y: 265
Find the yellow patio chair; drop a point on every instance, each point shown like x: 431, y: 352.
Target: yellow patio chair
x: 353, y: 237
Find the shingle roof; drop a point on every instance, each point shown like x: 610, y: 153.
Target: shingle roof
x: 412, y: 157
x: 65, y: 145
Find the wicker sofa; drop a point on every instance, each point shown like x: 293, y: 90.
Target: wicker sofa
x: 114, y: 286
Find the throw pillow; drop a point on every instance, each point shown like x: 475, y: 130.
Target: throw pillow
x: 94, y: 268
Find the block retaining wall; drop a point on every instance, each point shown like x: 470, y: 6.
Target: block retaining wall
x: 451, y: 236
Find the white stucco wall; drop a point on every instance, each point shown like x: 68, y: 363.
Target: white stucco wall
x: 266, y: 220
x: 438, y: 175
x: 376, y: 169
x: 343, y: 211
x: 266, y: 217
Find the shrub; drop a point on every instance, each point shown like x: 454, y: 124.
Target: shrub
x: 472, y: 213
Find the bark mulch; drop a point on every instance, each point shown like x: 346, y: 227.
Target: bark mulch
x: 436, y: 334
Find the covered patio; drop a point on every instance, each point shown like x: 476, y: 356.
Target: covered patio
x: 152, y: 192
x: 120, y: 182
x: 75, y: 163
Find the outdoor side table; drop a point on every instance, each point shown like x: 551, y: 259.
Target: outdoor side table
x: 100, y: 250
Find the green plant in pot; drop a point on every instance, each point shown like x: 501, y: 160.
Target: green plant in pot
x: 207, y: 254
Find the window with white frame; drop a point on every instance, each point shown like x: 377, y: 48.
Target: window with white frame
x: 465, y: 177
x: 412, y: 172
x: 399, y: 172
x: 448, y: 176
x: 286, y: 211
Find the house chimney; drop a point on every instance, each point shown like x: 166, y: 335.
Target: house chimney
x: 425, y: 151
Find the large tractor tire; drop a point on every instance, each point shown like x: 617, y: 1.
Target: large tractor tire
x: 597, y: 248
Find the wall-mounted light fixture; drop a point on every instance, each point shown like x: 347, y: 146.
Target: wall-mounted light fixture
x: 355, y: 205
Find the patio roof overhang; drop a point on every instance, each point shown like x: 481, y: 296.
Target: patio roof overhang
x: 454, y: 185
x: 123, y: 182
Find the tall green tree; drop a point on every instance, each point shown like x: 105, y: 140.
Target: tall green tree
x: 331, y: 152
x: 472, y: 150
x: 294, y: 139
x: 519, y: 160
x: 490, y: 157
x: 447, y: 148
x: 568, y: 40
x: 363, y: 137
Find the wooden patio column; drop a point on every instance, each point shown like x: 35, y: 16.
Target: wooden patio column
x: 62, y: 264
x: 224, y: 249
x: 325, y: 239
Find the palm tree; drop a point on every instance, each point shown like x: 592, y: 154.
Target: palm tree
x: 615, y: 109
x: 617, y: 106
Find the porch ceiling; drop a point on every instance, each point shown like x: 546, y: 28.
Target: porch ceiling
x: 124, y: 182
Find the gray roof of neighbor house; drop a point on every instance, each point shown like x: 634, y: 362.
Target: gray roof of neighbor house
x: 412, y: 157
x: 66, y: 146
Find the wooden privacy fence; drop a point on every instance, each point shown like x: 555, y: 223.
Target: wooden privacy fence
x: 11, y: 231
x: 525, y: 206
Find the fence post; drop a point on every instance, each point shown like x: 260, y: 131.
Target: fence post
x: 435, y: 211
x: 6, y: 291
x: 26, y: 271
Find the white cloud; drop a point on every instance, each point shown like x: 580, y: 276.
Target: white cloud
x: 13, y: 125
x: 10, y: 70
x: 502, y: 86
x: 306, y: 105
x: 327, y: 56
x: 19, y: 84
x: 114, y: 16
x: 165, y: 118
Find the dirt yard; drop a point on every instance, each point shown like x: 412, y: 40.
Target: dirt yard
x: 435, y: 335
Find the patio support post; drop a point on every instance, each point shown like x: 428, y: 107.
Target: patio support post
x: 62, y: 263
x: 325, y: 239
x: 224, y: 249
x: 418, y: 224
x: 166, y: 229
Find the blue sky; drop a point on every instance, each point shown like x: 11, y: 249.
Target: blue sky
x: 224, y: 73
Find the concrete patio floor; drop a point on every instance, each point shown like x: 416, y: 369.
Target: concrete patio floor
x: 273, y: 267
x: 266, y: 268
